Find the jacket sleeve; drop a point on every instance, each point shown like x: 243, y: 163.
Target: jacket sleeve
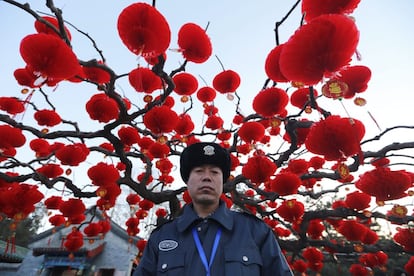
x: 274, y: 261
x: 148, y: 263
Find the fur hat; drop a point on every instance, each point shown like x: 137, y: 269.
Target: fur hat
x: 204, y: 153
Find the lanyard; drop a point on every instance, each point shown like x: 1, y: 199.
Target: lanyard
x: 201, y: 250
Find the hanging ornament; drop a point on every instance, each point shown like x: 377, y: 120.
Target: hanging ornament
x: 334, y: 89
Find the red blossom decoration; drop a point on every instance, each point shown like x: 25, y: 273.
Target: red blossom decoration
x: 57, y: 220
x: 74, y: 240
x: 286, y: 183
x: 291, y: 210
x: 385, y: 184
x: 357, y: 200
x: 128, y: 135
x: 11, y: 137
x: 194, y: 43
x: 53, y: 202
x: 40, y: 146
x: 184, y: 125
x: 335, y: 137
x: 144, y: 80
x: 159, y: 150
x: 330, y: 41
x: 96, y: 74
x: 50, y: 56
x: 272, y: 67
x: 259, y: 169
x: 312, y: 9
x: 185, y: 84
x: 72, y: 155
x: 352, y: 230
x: 50, y: 170
x: 43, y: 28
x: 103, y: 174
x: 405, y: 237
x: 301, y: 96
x: 252, y: 131
x: 214, y: 122
x: 47, y: 117
x: 161, y: 119
x: 356, y: 77
x: 226, y: 81
x: 144, y: 30
x: 93, y: 229
x: 72, y: 208
x: 270, y: 102
x: 17, y: 200
x: 206, y: 94
x: 11, y: 105
x: 102, y: 108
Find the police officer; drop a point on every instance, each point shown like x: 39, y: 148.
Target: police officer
x: 208, y: 238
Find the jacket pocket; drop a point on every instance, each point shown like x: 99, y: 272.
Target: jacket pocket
x: 243, y: 261
x: 171, y: 263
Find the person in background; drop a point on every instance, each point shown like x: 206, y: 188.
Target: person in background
x: 208, y: 238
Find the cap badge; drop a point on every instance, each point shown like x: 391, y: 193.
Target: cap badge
x: 209, y: 150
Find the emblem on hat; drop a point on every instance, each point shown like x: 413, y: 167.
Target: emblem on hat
x: 209, y: 150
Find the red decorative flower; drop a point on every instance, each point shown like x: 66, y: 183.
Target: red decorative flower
x: 226, y: 81
x: 144, y: 80
x: 41, y: 147
x: 103, y: 174
x: 72, y: 155
x: 18, y: 200
x: 214, y: 122
x: 352, y: 230
x: 335, y: 137
x: 72, y: 207
x: 96, y: 74
x: 315, y: 229
x: 270, y: 102
x: 74, y: 240
x: 161, y: 119
x: 102, y: 108
x: 356, y: 77
x: 133, y: 199
x: 405, y: 237
x: 194, y: 43
x: 312, y: 9
x: 47, y: 117
x: 206, y: 94
x: 128, y: 135
x: 53, y: 202
x: 357, y: 200
x: 259, y: 169
x: 312, y: 255
x: 11, y: 105
x: 272, y: 67
x: 251, y: 132
x: 43, y: 28
x: 185, y: 84
x: 50, y: 170
x: 291, y: 210
x: 286, y: 183
x: 159, y: 150
x: 49, y: 56
x: 385, y: 184
x: 57, y: 220
x: 144, y: 30
x: 301, y: 96
x: 93, y: 229
x: 184, y: 125
x: 330, y: 41
x: 11, y: 137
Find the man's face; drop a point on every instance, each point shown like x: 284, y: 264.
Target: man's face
x: 205, y: 184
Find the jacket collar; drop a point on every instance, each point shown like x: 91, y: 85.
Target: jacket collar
x: 222, y: 215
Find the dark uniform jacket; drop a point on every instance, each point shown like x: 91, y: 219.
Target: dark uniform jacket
x: 247, y: 246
